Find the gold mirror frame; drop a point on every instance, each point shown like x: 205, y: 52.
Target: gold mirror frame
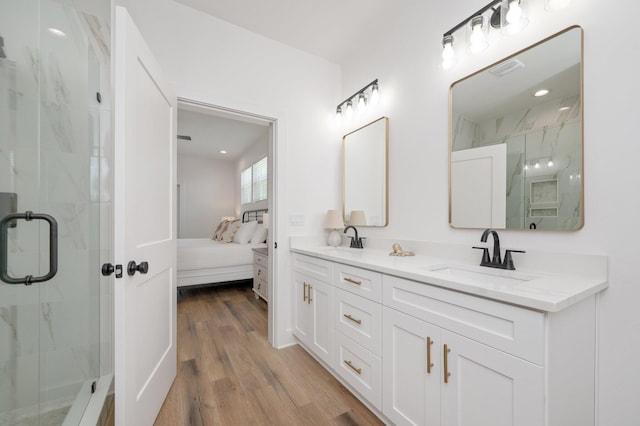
x: 378, y: 176
x: 540, y: 222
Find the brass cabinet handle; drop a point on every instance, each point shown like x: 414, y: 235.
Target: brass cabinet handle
x: 446, y: 364
x: 357, y: 321
x: 429, y: 363
x: 357, y: 370
x: 309, y: 295
x: 304, y: 292
x: 352, y: 281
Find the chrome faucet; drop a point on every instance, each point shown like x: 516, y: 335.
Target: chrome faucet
x: 356, y: 242
x: 495, y: 261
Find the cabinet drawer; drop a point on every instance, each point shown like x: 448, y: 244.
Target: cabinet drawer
x: 360, y: 368
x: 317, y: 268
x: 359, y: 319
x: 260, y: 260
x: 514, y: 330
x: 259, y: 272
x: 358, y: 281
x: 261, y: 287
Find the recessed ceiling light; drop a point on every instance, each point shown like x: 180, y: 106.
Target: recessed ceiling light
x: 223, y: 152
x: 564, y: 108
x: 541, y: 92
x: 56, y: 32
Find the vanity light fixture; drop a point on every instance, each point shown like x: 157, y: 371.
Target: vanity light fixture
x: 511, y: 16
x: 360, y: 97
x: 223, y: 152
x: 541, y: 92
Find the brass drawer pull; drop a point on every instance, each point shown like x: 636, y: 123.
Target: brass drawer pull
x: 429, y: 363
x: 304, y: 292
x: 446, y: 363
x: 357, y: 321
x: 352, y: 281
x: 357, y: 370
x: 309, y: 294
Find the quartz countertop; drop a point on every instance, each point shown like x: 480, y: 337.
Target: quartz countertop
x: 534, y: 289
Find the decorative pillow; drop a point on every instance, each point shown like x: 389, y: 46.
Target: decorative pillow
x: 221, y: 227
x: 260, y: 235
x: 229, y: 232
x: 245, y: 232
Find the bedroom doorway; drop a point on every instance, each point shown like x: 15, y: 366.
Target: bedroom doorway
x: 216, y: 147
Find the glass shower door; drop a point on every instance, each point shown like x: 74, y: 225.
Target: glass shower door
x: 49, y: 178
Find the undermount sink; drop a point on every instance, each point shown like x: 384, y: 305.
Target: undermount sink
x: 482, y: 276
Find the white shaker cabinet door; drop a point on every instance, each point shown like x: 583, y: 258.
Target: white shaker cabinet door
x: 411, y: 369
x: 488, y: 387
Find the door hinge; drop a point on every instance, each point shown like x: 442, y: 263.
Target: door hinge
x: 93, y: 387
x: 99, y: 97
x: 275, y: 245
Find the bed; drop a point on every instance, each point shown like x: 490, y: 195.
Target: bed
x: 206, y: 261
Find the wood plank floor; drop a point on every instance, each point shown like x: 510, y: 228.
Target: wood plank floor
x: 228, y: 374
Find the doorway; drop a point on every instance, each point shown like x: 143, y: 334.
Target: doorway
x: 250, y: 118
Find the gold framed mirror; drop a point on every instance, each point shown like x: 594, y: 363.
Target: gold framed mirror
x: 365, y: 166
x: 516, y: 140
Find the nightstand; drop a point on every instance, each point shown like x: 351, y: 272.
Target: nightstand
x: 261, y: 273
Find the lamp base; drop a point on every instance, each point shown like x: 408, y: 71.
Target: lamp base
x: 335, y: 239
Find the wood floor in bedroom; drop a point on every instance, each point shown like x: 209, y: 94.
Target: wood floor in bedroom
x: 228, y: 374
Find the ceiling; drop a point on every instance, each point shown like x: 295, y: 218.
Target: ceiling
x: 331, y: 29
x: 211, y: 131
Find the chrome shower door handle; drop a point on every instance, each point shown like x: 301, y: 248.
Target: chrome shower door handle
x: 4, y: 247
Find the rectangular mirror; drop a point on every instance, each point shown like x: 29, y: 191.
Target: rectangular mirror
x: 364, y: 171
x: 516, y: 140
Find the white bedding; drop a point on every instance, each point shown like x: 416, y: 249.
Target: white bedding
x: 205, y: 253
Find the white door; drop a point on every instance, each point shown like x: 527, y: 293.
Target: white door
x: 320, y: 295
x: 490, y: 387
x: 411, y: 369
x: 479, y: 187
x: 144, y: 229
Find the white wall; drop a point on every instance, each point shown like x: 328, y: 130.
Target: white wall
x: 207, y: 192
x: 252, y: 155
x: 212, y: 61
x: 415, y: 97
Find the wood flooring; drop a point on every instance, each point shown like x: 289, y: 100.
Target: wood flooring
x: 228, y: 374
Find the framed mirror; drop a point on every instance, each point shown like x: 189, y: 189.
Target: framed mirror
x: 516, y: 140
x: 365, y: 175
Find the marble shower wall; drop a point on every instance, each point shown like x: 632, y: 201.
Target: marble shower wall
x: 55, y: 154
x: 543, y: 135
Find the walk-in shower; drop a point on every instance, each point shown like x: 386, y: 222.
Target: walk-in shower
x: 55, y: 333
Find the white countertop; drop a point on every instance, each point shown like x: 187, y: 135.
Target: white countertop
x: 535, y: 289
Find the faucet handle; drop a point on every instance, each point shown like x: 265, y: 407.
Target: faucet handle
x: 485, y: 255
x: 508, y: 260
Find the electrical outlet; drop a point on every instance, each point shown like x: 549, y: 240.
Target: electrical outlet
x: 296, y: 220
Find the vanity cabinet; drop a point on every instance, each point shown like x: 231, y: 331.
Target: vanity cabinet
x: 422, y: 354
x: 433, y: 376
x: 312, y: 306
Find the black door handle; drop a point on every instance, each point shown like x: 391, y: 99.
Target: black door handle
x: 5, y: 224
x: 143, y: 268
x: 108, y: 269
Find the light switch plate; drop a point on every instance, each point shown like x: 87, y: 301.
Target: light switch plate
x: 296, y: 219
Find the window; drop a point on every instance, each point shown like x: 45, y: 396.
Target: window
x: 253, y: 182
x: 245, y: 186
x: 260, y: 180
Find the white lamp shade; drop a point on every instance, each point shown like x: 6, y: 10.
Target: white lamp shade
x: 265, y: 220
x: 357, y: 218
x: 334, y: 220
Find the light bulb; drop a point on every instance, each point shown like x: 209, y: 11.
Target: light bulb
x: 448, y: 54
x: 362, y: 102
x: 514, y: 14
x: 556, y: 4
x: 478, y: 41
x: 550, y: 163
x: 537, y: 165
x: 349, y: 109
x: 541, y: 92
x: 339, y: 115
x: 375, y: 94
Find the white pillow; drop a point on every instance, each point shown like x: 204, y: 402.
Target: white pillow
x: 260, y: 235
x: 245, y: 232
